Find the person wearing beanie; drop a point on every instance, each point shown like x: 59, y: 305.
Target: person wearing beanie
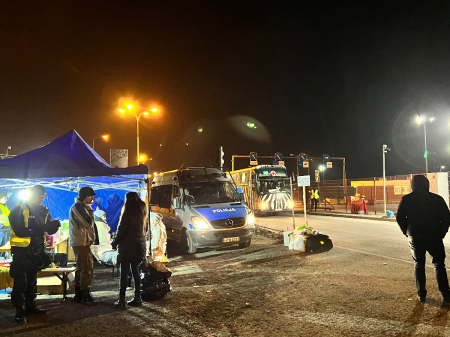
x: 4, y: 221
x: 29, y: 223
x: 424, y: 218
x: 82, y: 235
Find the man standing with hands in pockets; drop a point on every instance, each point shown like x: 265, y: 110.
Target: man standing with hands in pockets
x: 82, y: 235
x: 424, y: 218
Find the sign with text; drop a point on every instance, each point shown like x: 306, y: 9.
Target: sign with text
x: 304, y: 180
x: 329, y: 164
x: 326, y: 157
x: 118, y: 158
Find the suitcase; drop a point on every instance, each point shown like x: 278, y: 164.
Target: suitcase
x: 318, y: 243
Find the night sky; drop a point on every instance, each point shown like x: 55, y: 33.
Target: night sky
x: 341, y: 79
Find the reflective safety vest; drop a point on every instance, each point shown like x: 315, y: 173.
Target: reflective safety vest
x: 4, y: 213
x: 22, y: 242
x: 314, y: 194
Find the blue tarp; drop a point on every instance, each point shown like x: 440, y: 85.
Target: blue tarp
x: 64, y: 166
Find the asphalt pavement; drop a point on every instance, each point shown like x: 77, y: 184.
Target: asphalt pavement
x: 363, y: 286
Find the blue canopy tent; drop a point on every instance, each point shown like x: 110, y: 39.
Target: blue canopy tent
x: 65, y: 165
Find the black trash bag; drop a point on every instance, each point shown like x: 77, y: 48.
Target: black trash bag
x: 155, y: 282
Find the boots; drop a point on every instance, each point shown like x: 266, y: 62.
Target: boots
x: 120, y: 303
x: 31, y: 309
x: 20, y: 315
x: 86, y: 298
x: 136, y: 301
x: 78, y: 295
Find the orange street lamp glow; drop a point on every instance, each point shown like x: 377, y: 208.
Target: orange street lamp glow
x: 105, y: 137
x: 145, y: 113
x: 154, y: 110
x: 122, y: 110
x: 129, y: 106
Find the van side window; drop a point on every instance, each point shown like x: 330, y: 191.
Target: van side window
x: 166, y: 196
x: 155, y: 195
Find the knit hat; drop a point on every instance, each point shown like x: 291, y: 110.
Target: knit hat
x: 37, y: 191
x: 3, y: 195
x: 85, y: 192
x: 99, y: 213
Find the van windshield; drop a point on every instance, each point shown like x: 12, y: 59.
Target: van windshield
x: 209, y: 193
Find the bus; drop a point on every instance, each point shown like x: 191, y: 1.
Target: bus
x: 200, y: 207
x: 267, y: 188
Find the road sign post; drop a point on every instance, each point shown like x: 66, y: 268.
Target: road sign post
x: 304, y: 181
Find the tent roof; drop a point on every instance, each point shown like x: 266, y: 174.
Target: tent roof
x: 66, y: 156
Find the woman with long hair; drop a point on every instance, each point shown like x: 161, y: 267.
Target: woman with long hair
x: 131, y: 243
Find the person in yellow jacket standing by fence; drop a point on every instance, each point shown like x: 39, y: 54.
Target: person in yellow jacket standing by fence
x: 314, y: 198
x: 4, y: 221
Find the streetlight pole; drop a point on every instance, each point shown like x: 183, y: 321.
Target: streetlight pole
x: 426, y: 152
x: 385, y: 150
x: 138, y: 117
x: 105, y: 137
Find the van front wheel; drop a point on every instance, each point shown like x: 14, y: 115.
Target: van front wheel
x: 188, y: 244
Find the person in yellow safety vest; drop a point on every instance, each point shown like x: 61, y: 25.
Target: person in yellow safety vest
x: 4, y: 222
x: 29, y: 223
x: 314, y: 199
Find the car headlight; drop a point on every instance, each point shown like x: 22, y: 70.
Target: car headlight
x: 199, y: 223
x: 290, y: 204
x: 250, y: 219
x: 264, y: 205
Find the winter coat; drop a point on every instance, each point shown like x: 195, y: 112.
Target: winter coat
x: 82, y: 228
x: 423, y: 215
x: 130, y: 238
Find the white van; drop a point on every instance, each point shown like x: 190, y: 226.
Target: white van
x: 201, y: 208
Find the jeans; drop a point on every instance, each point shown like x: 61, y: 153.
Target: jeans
x: 4, y: 238
x: 85, y: 267
x: 435, y: 247
x: 124, y: 269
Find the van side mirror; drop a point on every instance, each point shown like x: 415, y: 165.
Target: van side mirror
x: 242, y: 194
x: 176, y: 203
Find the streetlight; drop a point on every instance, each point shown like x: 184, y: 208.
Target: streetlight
x: 105, y: 137
x: 138, y: 116
x: 143, y: 159
x: 423, y: 120
x: 441, y: 168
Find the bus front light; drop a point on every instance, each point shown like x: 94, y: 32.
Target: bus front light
x: 250, y: 219
x: 199, y: 223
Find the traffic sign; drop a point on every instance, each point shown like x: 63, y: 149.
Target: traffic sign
x: 278, y: 162
x: 253, y: 158
x: 317, y: 175
x: 329, y: 164
x: 278, y: 156
x: 304, y: 164
x: 302, y: 157
x: 304, y: 180
x: 326, y: 157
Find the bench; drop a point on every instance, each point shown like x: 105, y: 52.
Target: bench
x: 61, y: 273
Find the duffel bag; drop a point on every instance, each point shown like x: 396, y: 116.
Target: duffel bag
x: 318, y: 243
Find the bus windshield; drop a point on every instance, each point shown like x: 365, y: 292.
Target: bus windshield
x: 274, y: 185
x: 210, y: 193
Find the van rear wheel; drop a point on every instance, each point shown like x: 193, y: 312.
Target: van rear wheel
x: 245, y: 244
x: 188, y: 244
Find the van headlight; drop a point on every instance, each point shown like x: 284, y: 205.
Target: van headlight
x: 290, y: 204
x: 264, y: 205
x: 200, y: 223
x: 250, y: 219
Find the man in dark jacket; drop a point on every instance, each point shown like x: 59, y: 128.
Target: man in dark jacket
x: 424, y: 217
x: 29, y: 222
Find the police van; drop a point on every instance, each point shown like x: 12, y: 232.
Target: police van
x: 200, y: 207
